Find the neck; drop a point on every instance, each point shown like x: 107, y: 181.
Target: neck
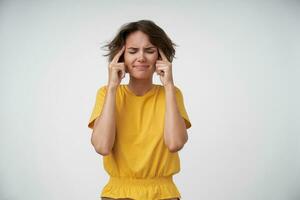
x: 140, y: 86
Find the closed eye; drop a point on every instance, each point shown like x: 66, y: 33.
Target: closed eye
x: 147, y: 52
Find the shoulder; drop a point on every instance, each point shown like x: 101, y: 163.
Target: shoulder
x: 178, y: 92
x: 102, y: 87
x: 177, y: 89
x: 101, y: 90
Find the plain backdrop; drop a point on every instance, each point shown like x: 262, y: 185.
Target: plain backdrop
x: 237, y: 65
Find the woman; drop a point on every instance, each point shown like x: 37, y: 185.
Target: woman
x: 139, y: 128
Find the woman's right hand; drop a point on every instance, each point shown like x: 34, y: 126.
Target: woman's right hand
x: 116, y: 70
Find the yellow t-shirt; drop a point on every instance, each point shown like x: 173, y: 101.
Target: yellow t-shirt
x: 140, y: 165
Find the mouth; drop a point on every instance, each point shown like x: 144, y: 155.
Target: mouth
x: 141, y: 67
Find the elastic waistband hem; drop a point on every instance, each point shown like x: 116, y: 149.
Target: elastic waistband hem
x: 141, y: 181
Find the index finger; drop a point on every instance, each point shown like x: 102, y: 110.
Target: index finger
x: 163, y: 56
x: 118, y: 55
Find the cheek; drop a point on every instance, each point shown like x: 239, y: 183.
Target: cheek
x: 153, y: 59
x: 127, y: 58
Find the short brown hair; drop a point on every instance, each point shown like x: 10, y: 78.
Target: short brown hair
x: 157, y: 37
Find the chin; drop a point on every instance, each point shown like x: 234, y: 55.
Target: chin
x: 141, y: 76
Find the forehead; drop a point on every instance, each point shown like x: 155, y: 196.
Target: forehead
x: 138, y: 38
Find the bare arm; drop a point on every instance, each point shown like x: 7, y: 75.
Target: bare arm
x: 175, y: 134
x: 104, y: 131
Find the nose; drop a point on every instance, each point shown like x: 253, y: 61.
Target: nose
x: 141, y: 57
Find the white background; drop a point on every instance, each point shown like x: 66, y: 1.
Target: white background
x: 238, y: 66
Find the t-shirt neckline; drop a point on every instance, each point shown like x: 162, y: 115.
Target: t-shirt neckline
x: 148, y: 93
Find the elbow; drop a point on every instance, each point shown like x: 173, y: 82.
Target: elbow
x: 102, y: 151
x: 177, y: 146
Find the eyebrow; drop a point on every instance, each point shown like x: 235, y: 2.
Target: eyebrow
x: 144, y: 48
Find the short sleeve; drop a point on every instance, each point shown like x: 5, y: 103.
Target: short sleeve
x: 181, y: 107
x: 97, y: 106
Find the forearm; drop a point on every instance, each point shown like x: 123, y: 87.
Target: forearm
x: 175, y: 134
x: 104, y: 130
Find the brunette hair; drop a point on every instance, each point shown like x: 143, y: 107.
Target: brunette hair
x: 157, y: 37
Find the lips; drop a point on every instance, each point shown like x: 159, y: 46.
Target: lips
x: 141, y: 67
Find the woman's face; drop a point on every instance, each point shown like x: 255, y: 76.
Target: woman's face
x: 140, y: 56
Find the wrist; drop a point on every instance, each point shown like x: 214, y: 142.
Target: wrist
x: 169, y: 88
x: 111, y: 87
x: 169, y: 85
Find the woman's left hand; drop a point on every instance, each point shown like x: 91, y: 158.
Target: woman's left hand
x: 164, y: 69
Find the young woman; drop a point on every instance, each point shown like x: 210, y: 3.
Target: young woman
x: 139, y: 127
